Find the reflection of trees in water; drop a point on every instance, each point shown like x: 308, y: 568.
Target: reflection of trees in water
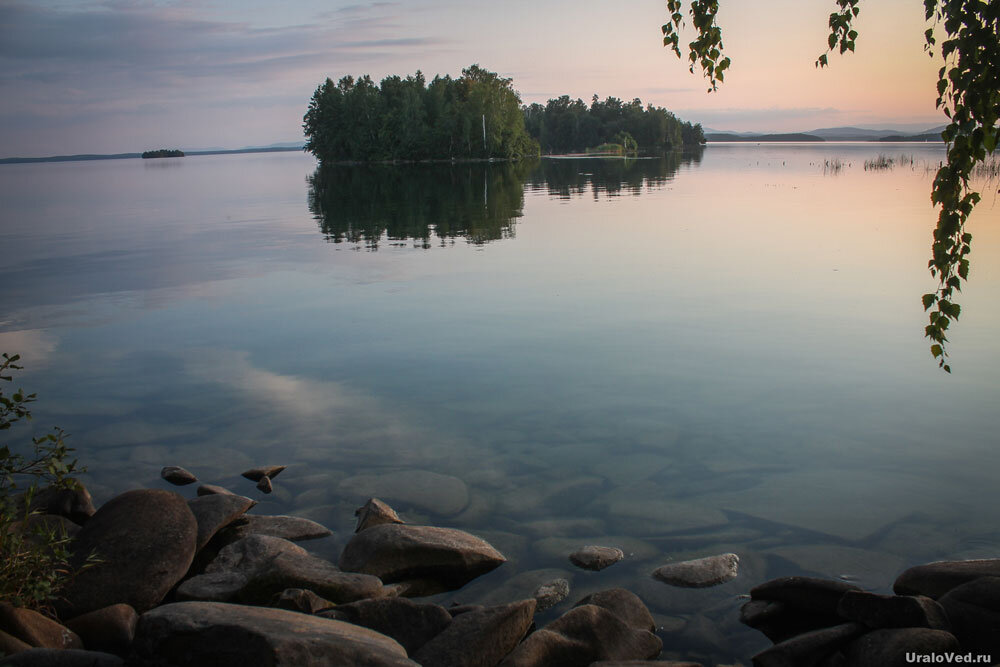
x: 365, y: 204
x: 567, y: 177
x: 370, y: 204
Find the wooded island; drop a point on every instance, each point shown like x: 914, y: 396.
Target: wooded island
x: 476, y: 116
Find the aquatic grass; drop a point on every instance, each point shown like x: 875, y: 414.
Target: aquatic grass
x: 988, y: 169
x: 833, y: 166
x: 884, y: 163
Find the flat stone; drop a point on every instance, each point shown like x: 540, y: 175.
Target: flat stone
x: 54, y: 657
x: 699, y: 573
x: 212, y: 489
x: 213, y: 633
x: 36, y: 630
x: 624, y: 604
x: 110, y: 629
x: 807, y: 593
x: 397, y: 552
x: 593, y: 557
x: 300, y: 600
x: 216, y: 511
x: 974, y: 611
x: 551, y: 593
x: 177, y: 475
x: 481, y: 637
x: 146, y: 541
x: 581, y: 636
x: 233, y: 566
x: 291, y: 570
x: 257, y: 474
x: 422, y: 489
x: 293, y: 528
x: 891, y: 647
x: 409, y: 623
x: 373, y: 513
x: 936, y: 579
x: 809, y: 648
x: 892, y: 611
x: 558, y: 547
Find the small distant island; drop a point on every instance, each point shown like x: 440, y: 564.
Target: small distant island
x: 478, y: 116
x: 163, y: 152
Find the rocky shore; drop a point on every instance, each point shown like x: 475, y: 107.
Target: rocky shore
x: 204, y: 582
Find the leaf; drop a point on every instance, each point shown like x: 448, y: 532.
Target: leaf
x: 929, y: 300
x: 936, y: 350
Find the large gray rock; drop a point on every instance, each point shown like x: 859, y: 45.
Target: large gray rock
x: 292, y: 528
x: 110, y: 629
x: 36, y: 630
x: 397, y: 552
x: 54, y: 657
x: 820, y: 596
x: 322, y: 577
x: 581, y: 636
x: 213, y: 633
x: 594, y: 557
x: 145, y: 540
x: 420, y: 489
x: 809, y: 648
x: 409, y: 623
x: 700, y: 572
x: 216, y: 511
x: 892, y: 611
x: 890, y: 647
x: 974, y: 611
x: 228, y: 573
x: 936, y: 579
x: 624, y: 604
x: 479, y: 638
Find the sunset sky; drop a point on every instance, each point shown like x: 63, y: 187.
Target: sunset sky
x: 81, y: 76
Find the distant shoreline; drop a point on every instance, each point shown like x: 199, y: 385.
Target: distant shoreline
x: 138, y: 156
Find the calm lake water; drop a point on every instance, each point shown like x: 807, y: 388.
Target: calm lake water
x: 680, y: 357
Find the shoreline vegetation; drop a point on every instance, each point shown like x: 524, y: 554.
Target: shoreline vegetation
x: 478, y: 116
x: 163, y: 152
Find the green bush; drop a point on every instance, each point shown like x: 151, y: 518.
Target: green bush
x: 34, y: 554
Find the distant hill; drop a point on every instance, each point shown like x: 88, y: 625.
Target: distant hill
x: 729, y: 136
x: 275, y: 148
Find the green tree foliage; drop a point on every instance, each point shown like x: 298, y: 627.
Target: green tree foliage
x: 563, y: 125
x: 34, y: 555
x: 968, y: 90
x: 477, y: 115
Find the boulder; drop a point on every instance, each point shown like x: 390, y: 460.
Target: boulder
x: 257, y: 474
x: 596, y: 558
x: 420, y: 489
x: 177, y: 475
x: 75, y: 504
x: 779, y: 621
x: 145, y: 540
x: 624, y: 604
x: 36, y: 630
x: 581, y: 636
x: 974, y: 611
x: 214, y: 633
x: 216, y: 511
x: 699, y: 573
x: 373, y: 513
x: 227, y: 574
x: 293, y: 528
x: 809, y: 648
x: 409, y: 623
x: 9, y: 644
x: 301, y: 600
x: 890, y: 647
x: 290, y: 570
x: 805, y: 593
x: 551, y: 593
x: 110, y: 629
x: 396, y: 552
x: 936, y: 579
x: 892, y: 611
x: 478, y: 638
x: 52, y: 657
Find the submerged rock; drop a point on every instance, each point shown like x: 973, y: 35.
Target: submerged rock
x: 551, y: 593
x: 146, y: 541
x: 701, y: 572
x: 422, y: 489
x: 397, y: 552
x: 177, y: 475
x: 596, y: 557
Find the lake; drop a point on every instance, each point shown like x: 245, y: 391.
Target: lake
x: 680, y: 356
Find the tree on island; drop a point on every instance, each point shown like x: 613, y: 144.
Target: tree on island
x: 163, y: 152
x: 968, y: 89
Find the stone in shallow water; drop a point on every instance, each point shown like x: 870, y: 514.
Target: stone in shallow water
x: 558, y: 547
x: 177, y: 475
x: 146, y: 541
x: 593, y: 557
x: 373, y: 513
x: 821, y: 596
x: 257, y: 474
x: 431, y: 491
x: 551, y: 593
x: 936, y: 579
x: 213, y: 633
x: 701, y: 572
